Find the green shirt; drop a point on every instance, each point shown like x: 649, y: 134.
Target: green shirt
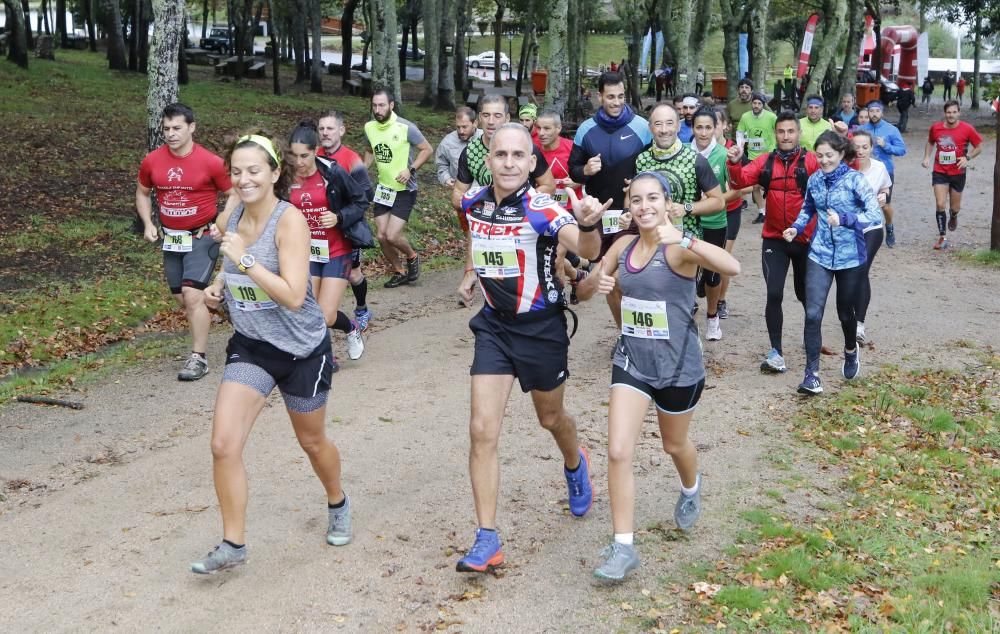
x: 737, y: 108
x: 758, y: 132
x: 393, y: 144
x: 811, y: 132
x: 717, y: 160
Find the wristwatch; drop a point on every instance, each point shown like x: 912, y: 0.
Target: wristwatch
x: 246, y: 261
x: 688, y: 208
x: 687, y: 240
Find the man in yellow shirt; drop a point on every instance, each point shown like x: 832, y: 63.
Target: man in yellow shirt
x: 813, y: 124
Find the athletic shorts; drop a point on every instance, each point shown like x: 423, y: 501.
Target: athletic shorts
x: 733, y: 219
x: 356, y: 259
x: 956, y: 182
x: 303, y: 378
x: 339, y: 267
x: 192, y: 269
x: 402, y: 207
x: 535, y: 352
x: 669, y: 400
x: 718, y: 238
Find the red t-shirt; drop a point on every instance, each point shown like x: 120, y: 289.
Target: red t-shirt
x: 951, y: 144
x: 187, y: 187
x: 558, y: 160
x: 309, y: 196
x: 345, y: 157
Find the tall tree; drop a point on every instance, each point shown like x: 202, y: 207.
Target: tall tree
x: 316, y: 69
x: 855, y: 31
x: 91, y: 6
x: 575, y: 28
x: 735, y: 13
x: 272, y: 34
x: 26, y: 12
x: 347, y: 41
x: 758, y: 30
x: 61, y: 23
x: 829, y: 33
x: 700, y: 24
x: 463, y: 22
x: 497, y: 46
x: 169, y: 18
x: 555, y: 95
x: 432, y: 51
x: 17, y: 41
x: 385, y: 60
x: 113, y: 30
x: 632, y: 14
x: 448, y: 58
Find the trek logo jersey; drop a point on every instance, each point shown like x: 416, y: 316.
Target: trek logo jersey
x: 514, y: 248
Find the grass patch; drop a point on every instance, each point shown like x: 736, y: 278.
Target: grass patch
x: 912, y: 549
x: 982, y: 257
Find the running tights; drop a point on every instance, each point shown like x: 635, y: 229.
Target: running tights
x: 818, y: 283
x: 873, y: 240
x: 776, y: 255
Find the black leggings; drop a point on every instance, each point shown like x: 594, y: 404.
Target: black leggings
x: 873, y: 240
x: 775, y: 256
x: 818, y: 282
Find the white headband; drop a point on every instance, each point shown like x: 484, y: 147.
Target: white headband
x: 690, y: 101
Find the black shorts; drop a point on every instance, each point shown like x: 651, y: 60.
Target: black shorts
x: 718, y: 238
x: 305, y: 376
x: 535, y: 352
x: 402, y: 207
x: 955, y: 182
x: 733, y: 219
x: 669, y: 400
x: 192, y: 269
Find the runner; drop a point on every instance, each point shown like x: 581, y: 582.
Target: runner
x: 334, y: 207
x: 878, y: 178
x: 740, y: 104
x: 449, y: 150
x: 847, y: 113
x: 398, y: 149
x: 187, y: 179
x: 604, y: 151
x: 689, y: 104
x: 755, y: 130
x: 527, y: 115
x: 843, y: 204
x: 888, y: 143
x: 714, y: 226
x: 280, y: 340
x: 521, y: 332
x: 813, y: 124
x: 948, y: 144
x: 331, y: 133
x: 783, y: 174
x: 658, y: 357
x: 734, y: 203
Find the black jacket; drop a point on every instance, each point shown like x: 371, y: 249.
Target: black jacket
x: 348, y: 201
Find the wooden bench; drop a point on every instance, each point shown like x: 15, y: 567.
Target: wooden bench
x: 354, y: 86
x: 258, y: 70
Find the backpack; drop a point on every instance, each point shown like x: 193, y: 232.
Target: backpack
x: 801, y: 175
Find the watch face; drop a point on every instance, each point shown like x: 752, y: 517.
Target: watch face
x: 247, y: 260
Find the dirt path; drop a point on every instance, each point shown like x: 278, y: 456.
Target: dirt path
x: 106, y: 506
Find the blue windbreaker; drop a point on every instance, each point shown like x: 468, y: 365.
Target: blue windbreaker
x: 894, y: 145
x: 852, y: 199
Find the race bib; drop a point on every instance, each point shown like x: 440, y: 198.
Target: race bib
x: 756, y: 144
x: 247, y: 295
x: 385, y: 196
x: 561, y: 196
x: 177, y: 241
x: 319, y: 251
x: 947, y: 158
x: 644, y: 319
x: 496, y: 258
x: 609, y: 221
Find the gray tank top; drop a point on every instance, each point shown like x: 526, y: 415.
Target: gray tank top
x: 659, y: 344
x: 257, y: 316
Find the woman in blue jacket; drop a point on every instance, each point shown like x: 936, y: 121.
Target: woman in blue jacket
x: 844, y: 205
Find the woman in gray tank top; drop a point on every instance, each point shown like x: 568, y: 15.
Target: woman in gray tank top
x: 658, y: 357
x: 280, y: 340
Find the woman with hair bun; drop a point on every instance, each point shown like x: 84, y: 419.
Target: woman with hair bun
x: 281, y: 340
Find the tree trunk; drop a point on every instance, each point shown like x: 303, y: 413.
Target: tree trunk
x: 734, y: 14
x: 555, y: 95
x: 347, y: 41
x: 44, y: 17
x: 831, y: 28
x: 275, y: 65
x: 432, y: 51
x: 204, y: 19
x: 298, y: 43
x: 91, y: 23
x: 182, y: 65
x: 385, y: 60
x: 976, y: 55
x: 699, y: 35
x: 116, y: 42
x: 61, y: 23
x: 758, y: 27
x: 316, y: 18
x: 169, y: 18
x: 17, y: 41
x: 143, y: 25
x: 680, y: 37
x: 447, y: 56
x: 462, y: 23
x: 133, y: 35
x: 29, y: 37
x: 497, y: 47
x: 995, y: 223
x: 574, y: 29
x: 849, y: 69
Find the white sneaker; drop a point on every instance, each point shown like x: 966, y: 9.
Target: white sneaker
x: 355, y: 344
x: 714, y: 332
x: 860, y: 337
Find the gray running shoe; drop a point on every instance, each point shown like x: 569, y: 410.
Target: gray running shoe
x: 688, y: 508
x: 339, y: 532
x: 774, y: 363
x: 355, y: 342
x: 222, y: 557
x: 194, y: 368
x: 620, y: 559
x: 723, y: 309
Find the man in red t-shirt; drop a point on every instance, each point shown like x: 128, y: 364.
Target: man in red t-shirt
x: 187, y: 179
x: 948, y: 144
x: 331, y: 133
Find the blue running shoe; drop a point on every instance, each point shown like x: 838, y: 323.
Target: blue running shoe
x: 485, y: 554
x: 852, y: 363
x: 363, y: 316
x: 774, y: 363
x: 581, y: 489
x: 810, y: 385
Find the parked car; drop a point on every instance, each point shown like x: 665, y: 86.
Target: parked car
x: 218, y: 40
x: 485, y: 60
x: 410, y: 54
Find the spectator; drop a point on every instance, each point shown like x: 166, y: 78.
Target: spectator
x: 949, y: 79
x: 960, y: 88
x: 926, y: 91
x: 906, y: 99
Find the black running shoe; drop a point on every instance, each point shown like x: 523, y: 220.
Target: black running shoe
x: 397, y: 279
x: 413, y: 269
